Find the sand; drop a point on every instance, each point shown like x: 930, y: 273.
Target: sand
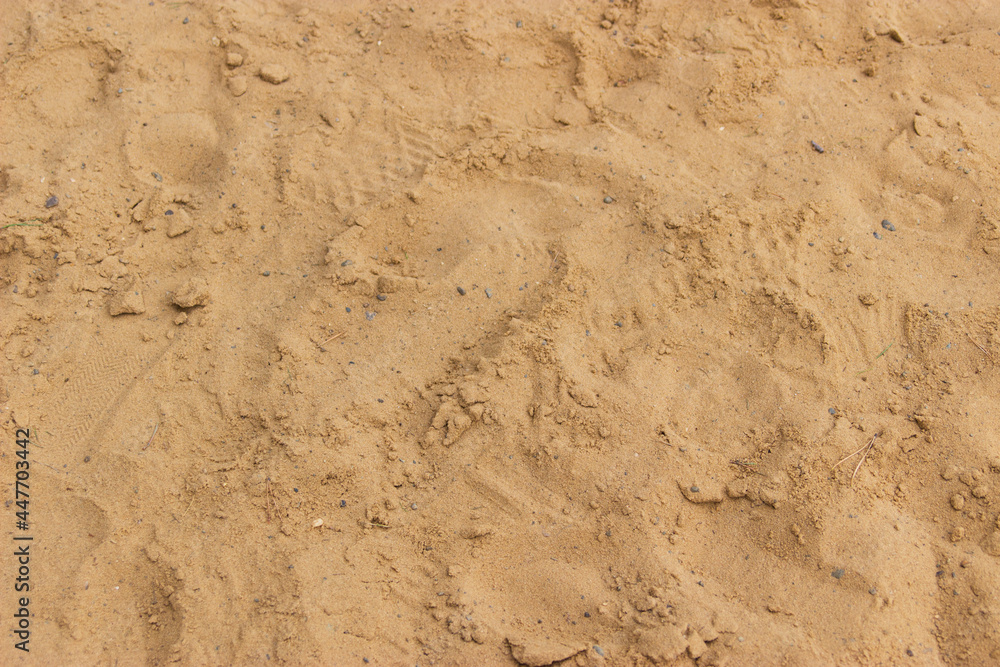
x: 494, y: 334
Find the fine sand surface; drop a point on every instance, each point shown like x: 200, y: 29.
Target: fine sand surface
x: 502, y: 333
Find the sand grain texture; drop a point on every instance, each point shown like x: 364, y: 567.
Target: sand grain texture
x: 493, y: 334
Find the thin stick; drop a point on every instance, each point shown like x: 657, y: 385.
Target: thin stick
x: 150, y: 441
x: 982, y: 349
x: 554, y: 258
x: 333, y: 337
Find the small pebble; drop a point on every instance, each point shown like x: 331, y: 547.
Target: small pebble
x: 519, y: 24
x: 461, y: 291
x: 695, y: 489
x: 266, y: 273
x: 52, y: 201
x: 489, y: 293
x: 185, y: 21
x: 888, y: 226
x: 413, y: 506
x: 877, y: 235
x: 838, y: 573
x: 346, y: 262
x: 381, y: 297
x: 817, y: 147
x: 157, y: 177
x: 343, y: 503
x: 608, y: 200
x: 369, y: 316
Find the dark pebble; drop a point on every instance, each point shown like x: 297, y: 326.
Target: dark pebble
x: 381, y: 297
x: 817, y: 147
x: 346, y: 262
x: 52, y: 201
x: 832, y: 411
x: 343, y: 503
x: 266, y: 273
x: 838, y: 573
x: 86, y: 459
x: 489, y: 293
x: 34, y: 371
x: 586, y: 614
x: 599, y: 650
x: 695, y: 489
x: 369, y: 315
x: 185, y: 21
x: 608, y: 200
x: 519, y: 24
x: 157, y: 177
x: 877, y: 235
x: 347, y: 308
x: 461, y: 291
x: 888, y: 226
x: 169, y: 211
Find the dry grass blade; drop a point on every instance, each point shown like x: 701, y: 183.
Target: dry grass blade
x: 867, y: 447
x: 150, y: 441
x: 848, y: 456
x: 871, y: 443
x: 981, y: 348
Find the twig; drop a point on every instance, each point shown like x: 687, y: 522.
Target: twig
x: 554, y: 258
x: 150, y: 441
x: 865, y: 448
x: 333, y: 337
x: 20, y: 224
x: 982, y: 349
